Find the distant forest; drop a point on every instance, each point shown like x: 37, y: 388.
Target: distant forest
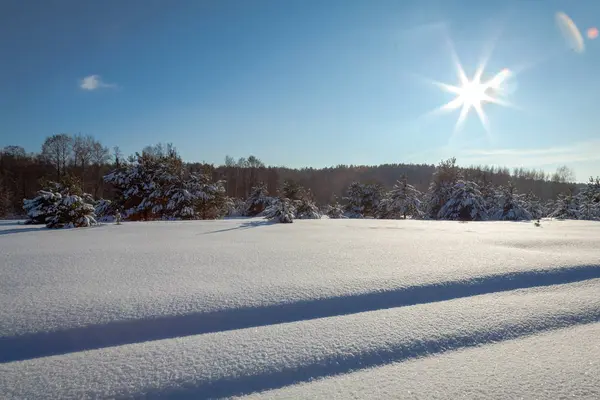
x: 85, y: 160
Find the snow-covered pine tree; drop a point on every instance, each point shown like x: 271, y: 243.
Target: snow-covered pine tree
x: 402, y: 201
x: 305, y: 206
x: 510, y: 206
x: 134, y: 182
x: 104, y: 210
x: 549, y: 207
x: 465, y: 203
x: 71, y: 211
x: 292, y: 190
x: 335, y: 209
x: 235, y: 207
x: 212, y: 200
x: 354, y: 200
x: 589, y: 200
x: 534, y: 205
x: 142, y: 184
x: 281, y: 210
x: 41, y: 207
x: 565, y: 207
x: 362, y: 200
x: 258, y: 200
x: 443, y: 182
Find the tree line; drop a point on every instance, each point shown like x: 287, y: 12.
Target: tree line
x: 83, y: 161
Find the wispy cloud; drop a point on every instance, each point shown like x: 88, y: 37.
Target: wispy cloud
x: 94, y: 82
x: 574, y: 153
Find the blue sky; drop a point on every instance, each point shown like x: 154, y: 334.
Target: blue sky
x: 301, y: 82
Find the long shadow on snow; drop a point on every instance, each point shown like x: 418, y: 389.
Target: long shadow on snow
x: 244, y: 225
x: 116, y: 333
x: 38, y: 228
x: 341, y: 364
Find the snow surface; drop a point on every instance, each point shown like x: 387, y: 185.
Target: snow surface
x: 223, y: 308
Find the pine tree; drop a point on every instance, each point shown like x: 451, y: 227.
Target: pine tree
x: 354, y: 200
x: 306, y: 207
x: 401, y: 201
x: 40, y: 208
x: 589, y: 200
x: 534, y: 205
x: 444, y: 179
x: 71, y: 211
x: 292, y: 190
x: 335, y: 209
x: 511, y: 206
x: 281, y: 210
x: 104, y: 210
x: 362, y: 200
x: 565, y: 207
x: 258, y: 200
x: 465, y: 203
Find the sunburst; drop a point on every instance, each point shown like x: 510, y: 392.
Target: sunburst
x: 474, y: 93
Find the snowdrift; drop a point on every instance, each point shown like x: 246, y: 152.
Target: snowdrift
x: 315, y: 309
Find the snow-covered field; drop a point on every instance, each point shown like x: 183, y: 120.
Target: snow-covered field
x: 314, y: 309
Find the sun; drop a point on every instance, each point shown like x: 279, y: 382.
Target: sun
x: 474, y: 93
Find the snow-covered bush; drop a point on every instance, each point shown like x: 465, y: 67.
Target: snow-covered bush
x: 41, y: 207
x: 281, y: 210
x: 510, y: 206
x: 401, y: 201
x: 71, y: 211
x: 465, y: 203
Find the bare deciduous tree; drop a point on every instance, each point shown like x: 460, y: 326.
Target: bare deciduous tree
x: 57, y: 150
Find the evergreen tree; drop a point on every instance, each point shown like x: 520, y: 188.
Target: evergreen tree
x: 306, y: 207
x: 511, y: 206
x: 534, y: 205
x: 401, y: 201
x: 281, y: 210
x: 71, y: 211
x: 104, y: 210
x: 565, y: 207
x: 235, y: 207
x: 40, y: 208
x: 354, y: 200
x: 292, y: 190
x: 212, y: 201
x: 258, y: 200
x: 335, y: 209
x: 444, y: 179
x: 362, y: 200
x: 589, y: 200
x: 465, y: 204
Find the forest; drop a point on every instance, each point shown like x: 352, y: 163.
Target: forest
x: 155, y: 183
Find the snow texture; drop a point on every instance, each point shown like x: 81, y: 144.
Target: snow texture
x: 333, y: 308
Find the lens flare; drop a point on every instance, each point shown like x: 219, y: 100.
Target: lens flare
x: 592, y: 33
x: 570, y: 32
